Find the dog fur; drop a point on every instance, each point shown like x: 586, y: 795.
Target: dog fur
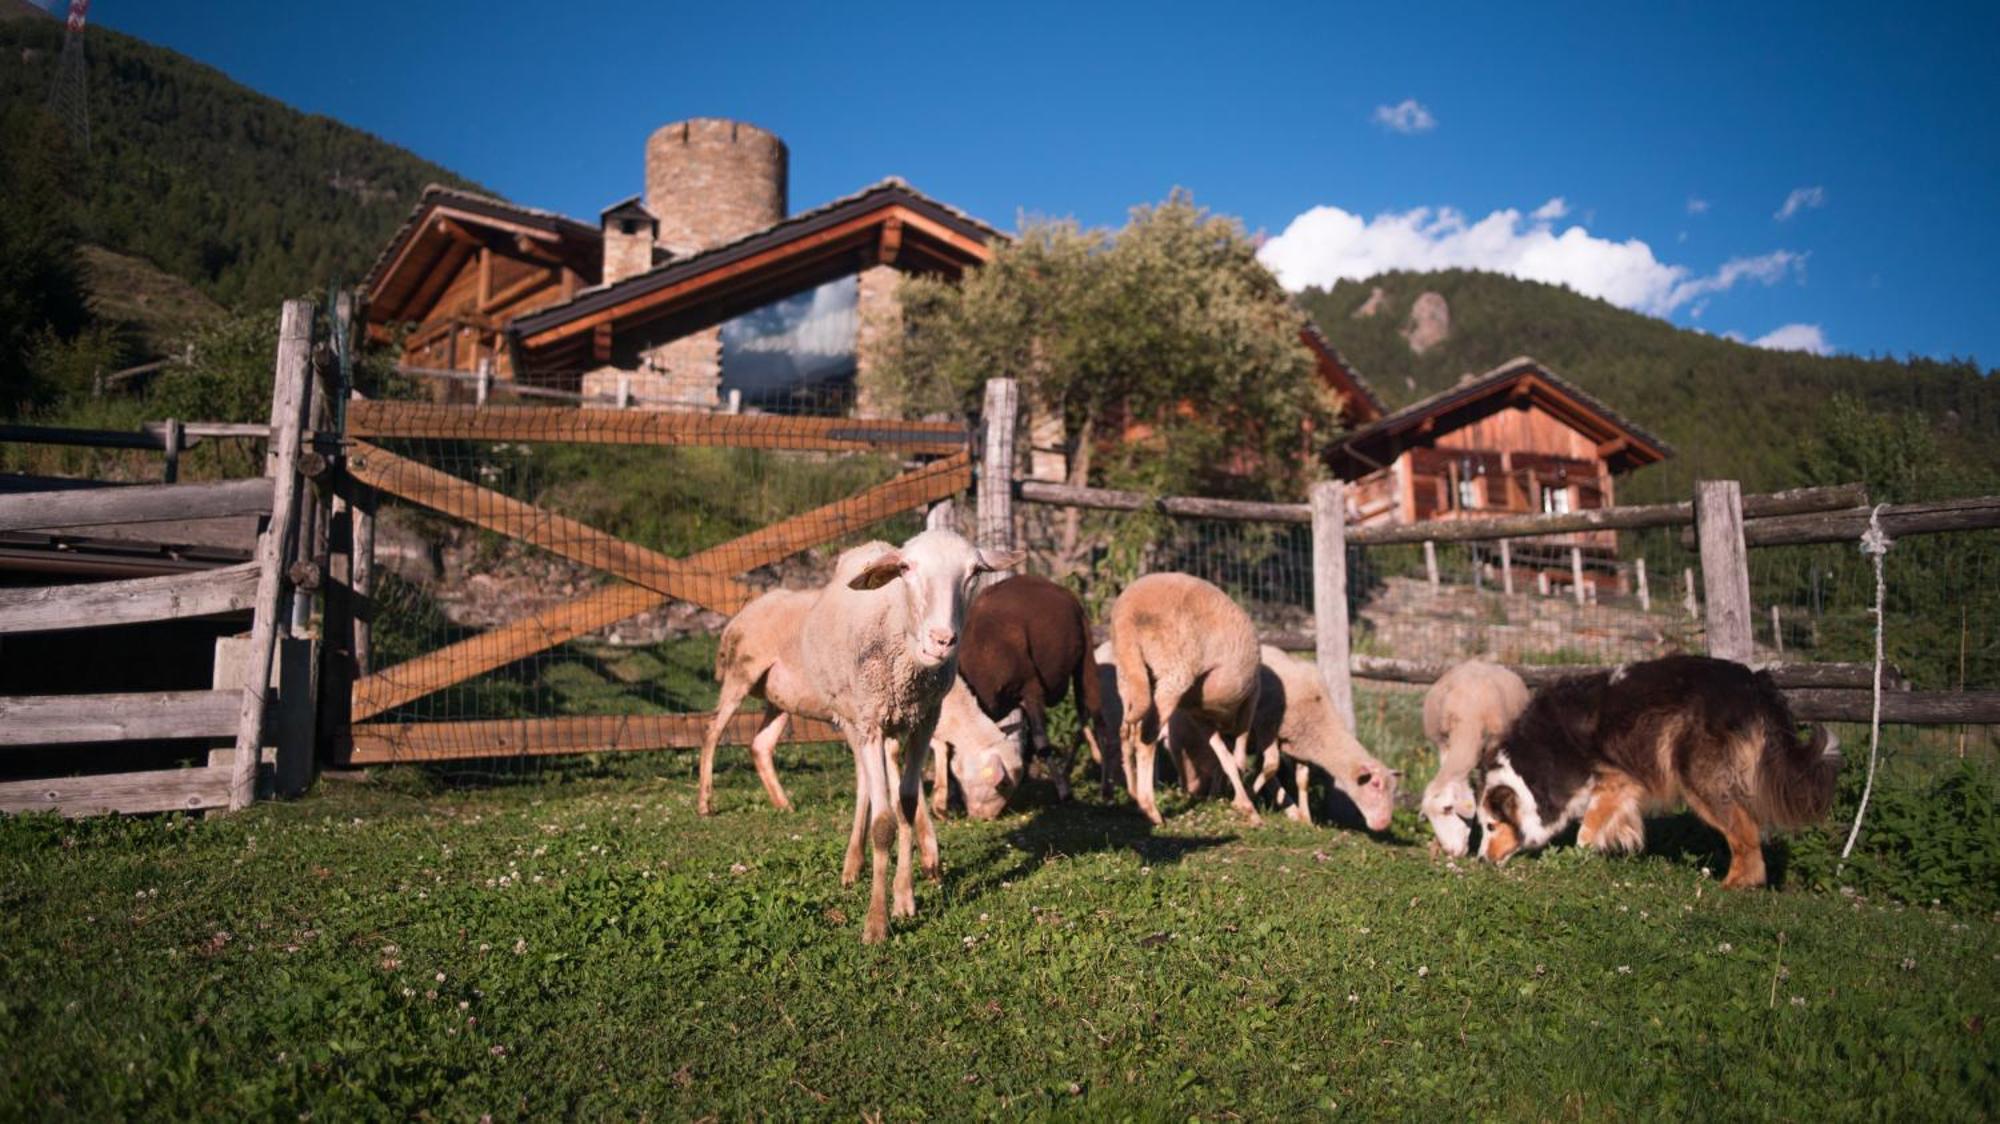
x: 1604, y: 748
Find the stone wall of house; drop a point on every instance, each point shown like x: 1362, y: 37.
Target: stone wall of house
x: 711, y: 180
x: 878, y: 318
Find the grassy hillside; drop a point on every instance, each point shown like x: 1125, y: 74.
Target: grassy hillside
x: 249, y: 200
x: 1729, y: 409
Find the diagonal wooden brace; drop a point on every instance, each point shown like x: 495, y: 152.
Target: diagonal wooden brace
x: 393, y: 686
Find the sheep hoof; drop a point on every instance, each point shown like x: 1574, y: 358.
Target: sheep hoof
x: 1297, y: 814
x: 875, y: 929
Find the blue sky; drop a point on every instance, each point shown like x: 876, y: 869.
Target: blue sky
x: 1356, y: 136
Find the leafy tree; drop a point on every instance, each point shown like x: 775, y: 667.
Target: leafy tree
x: 43, y: 301
x: 1167, y: 334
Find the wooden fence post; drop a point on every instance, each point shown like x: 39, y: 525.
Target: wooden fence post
x: 482, y: 389
x: 1507, y: 567
x: 996, y: 473
x: 943, y: 516
x: 1576, y: 573
x: 1330, y: 635
x: 1688, y: 600
x: 1777, y: 631
x: 1431, y: 563
x: 289, y: 397
x: 1725, y: 570
x: 173, y: 438
x: 1645, y: 595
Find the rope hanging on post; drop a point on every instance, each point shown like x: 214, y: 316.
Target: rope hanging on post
x: 1875, y: 544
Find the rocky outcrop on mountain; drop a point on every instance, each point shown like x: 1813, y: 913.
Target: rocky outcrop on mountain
x: 1429, y: 324
x: 1376, y: 302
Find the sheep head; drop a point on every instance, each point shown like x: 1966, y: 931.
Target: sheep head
x: 934, y: 574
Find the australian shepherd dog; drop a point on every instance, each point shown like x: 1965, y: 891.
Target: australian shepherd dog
x: 1604, y: 748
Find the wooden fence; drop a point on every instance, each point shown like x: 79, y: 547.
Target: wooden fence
x: 173, y: 513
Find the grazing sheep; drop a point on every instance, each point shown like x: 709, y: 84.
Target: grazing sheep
x: 1027, y: 640
x: 1705, y: 732
x: 1187, y: 766
x: 1295, y: 715
x: 973, y: 750
x: 1182, y: 644
x: 880, y: 648
x: 1465, y: 713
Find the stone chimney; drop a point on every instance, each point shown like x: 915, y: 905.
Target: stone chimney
x: 630, y: 232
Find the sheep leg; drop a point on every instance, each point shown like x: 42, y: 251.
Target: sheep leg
x: 1301, y: 809
x: 1166, y: 698
x: 1224, y: 755
x: 1090, y: 724
x: 911, y: 819
x: 881, y: 833
x: 1267, y: 769
x: 941, y: 778
x: 761, y: 748
x: 733, y: 692
x: 1037, y: 721
x: 850, y: 867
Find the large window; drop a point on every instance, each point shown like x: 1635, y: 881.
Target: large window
x: 796, y: 355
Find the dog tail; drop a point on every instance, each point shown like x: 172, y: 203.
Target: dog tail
x: 1796, y: 777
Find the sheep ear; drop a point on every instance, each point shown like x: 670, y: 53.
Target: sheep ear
x: 991, y: 560
x: 880, y: 572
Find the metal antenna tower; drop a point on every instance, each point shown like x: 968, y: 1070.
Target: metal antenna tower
x: 68, y: 97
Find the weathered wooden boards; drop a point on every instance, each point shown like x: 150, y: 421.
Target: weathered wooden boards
x: 1330, y: 623
x: 159, y: 790
x: 1725, y: 569
x: 132, y: 716
x: 138, y: 503
x: 384, y: 742
x: 202, y: 593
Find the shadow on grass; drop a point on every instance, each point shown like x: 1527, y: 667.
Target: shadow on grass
x: 1684, y: 840
x: 1043, y: 830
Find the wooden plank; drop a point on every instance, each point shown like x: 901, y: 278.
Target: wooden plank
x: 289, y: 399
x: 1330, y: 623
x: 1789, y: 502
x: 96, y: 604
x: 135, y: 716
x: 1196, y: 507
x: 1725, y: 569
x: 377, y: 419
x: 476, y: 655
x: 1917, y: 708
x: 139, y: 503
x: 1973, y: 513
x: 161, y: 790
x: 379, y: 743
x: 1001, y: 418
x: 399, y: 476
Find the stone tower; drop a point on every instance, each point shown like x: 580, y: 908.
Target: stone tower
x: 709, y: 180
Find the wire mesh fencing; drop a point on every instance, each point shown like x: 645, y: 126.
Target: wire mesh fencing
x: 553, y: 580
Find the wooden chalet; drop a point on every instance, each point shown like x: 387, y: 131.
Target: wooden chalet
x: 463, y: 266
x: 1515, y: 440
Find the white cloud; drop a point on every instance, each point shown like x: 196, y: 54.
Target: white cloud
x: 1801, y: 199
x: 1796, y: 337
x: 1697, y: 206
x: 1327, y: 244
x: 1407, y: 116
x: 1552, y: 210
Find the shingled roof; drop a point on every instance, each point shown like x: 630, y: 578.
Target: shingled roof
x: 1644, y: 447
x: 475, y: 206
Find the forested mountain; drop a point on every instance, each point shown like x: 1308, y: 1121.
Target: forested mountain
x: 247, y: 198
x: 1729, y: 409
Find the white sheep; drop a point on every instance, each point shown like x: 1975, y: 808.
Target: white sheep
x: 880, y: 649
x: 1297, y: 719
x: 1181, y: 644
x: 1465, y: 713
x: 988, y: 761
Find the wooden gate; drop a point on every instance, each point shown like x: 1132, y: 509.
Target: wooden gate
x: 937, y: 465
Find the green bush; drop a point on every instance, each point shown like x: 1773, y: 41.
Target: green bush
x: 1929, y: 838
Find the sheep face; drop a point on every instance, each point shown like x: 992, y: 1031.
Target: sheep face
x: 987, y: 777
x: 1373, y: 791
x: 934, y: 573
x: 1448, y: 807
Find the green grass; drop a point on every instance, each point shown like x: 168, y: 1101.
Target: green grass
x: 579, y: 942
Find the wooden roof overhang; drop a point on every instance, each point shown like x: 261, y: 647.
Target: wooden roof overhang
x: 1518, y: 384
x: 1359, y: 404
x: 448, y: 227
x: 886, y: 225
